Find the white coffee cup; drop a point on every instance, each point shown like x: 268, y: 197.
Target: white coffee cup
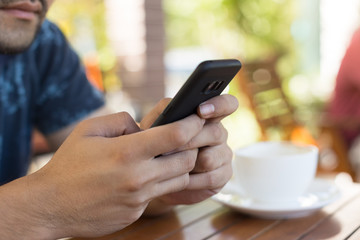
x: 275, y: 171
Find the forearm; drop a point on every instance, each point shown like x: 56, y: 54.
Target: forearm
x: 23, y: 212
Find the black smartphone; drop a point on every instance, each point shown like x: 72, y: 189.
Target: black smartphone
x: 208, y: 80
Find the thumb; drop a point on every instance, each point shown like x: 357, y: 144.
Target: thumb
x: 109, y: 126
x: 150, y: 118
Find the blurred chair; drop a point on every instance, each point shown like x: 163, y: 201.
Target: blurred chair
x: 275, y: 116
x: 262, y: 87
x: 333, y: 149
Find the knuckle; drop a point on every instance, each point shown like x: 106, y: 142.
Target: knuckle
x: 179, y: 136
x: 124, y: 117
x: 212, y: 180
x: 139, y: 200
x: 199, y: 123
x: 228, y: 176
x: 219, y: 132
x: 180, y: 131
x: 184, y: 182
x: 190, y: 144
x: 206, y: 162
x: 135, y: 185
x: 228, y: 154
x: 224, y: 176
x: 189, y: 160
x: 225, y: 132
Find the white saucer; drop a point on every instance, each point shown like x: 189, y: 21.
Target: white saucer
x: 320, y: 193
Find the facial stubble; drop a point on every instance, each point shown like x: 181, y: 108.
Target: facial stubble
x: 17, y: 35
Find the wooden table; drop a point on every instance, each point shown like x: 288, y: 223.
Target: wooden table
x: 211, y: 220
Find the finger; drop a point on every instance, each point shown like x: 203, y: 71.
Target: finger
x: 150, y: 118
x: 218, y: 107
x: 211, y: 158
x: 162, y: 139
x: 212, y: 134
x: 210, y: 180
x: 172, y: 185
x: 170, y: 166
x: 157, y: 171
x: 109, y: 126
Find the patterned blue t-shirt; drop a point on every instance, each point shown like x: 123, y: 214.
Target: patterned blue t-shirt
x: 44, y: 87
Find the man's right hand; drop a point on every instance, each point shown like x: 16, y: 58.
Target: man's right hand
x: 100, y: 180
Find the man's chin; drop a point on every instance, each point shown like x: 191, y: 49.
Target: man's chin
x: 17, y: 41
x: 13, y: 50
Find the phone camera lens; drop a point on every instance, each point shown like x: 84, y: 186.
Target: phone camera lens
x: 213, y: 86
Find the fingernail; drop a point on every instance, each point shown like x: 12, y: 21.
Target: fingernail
x: 206, y: 109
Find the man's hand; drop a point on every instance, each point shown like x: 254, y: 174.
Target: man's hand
x: 100, y: 180
x: 213, y: 165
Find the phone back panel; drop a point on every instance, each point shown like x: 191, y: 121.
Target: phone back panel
x: 208, y: 80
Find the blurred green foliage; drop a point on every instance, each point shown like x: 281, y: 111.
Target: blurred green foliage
x: 251, y: 30
x: 71, y: 15
x: 248, y: 28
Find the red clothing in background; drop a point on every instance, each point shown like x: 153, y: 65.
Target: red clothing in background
x: 345, y: 105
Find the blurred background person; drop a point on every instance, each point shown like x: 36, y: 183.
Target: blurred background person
x: 344, y: 107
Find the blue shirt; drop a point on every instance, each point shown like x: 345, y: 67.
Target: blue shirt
x: 44, y: 87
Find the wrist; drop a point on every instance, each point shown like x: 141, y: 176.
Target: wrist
x: 25, y: 215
